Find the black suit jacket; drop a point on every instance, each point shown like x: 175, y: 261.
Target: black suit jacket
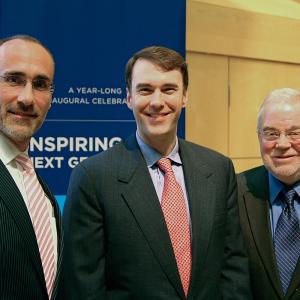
x: 21, y: 269
x: 116, y: 241
x: 255, y: 221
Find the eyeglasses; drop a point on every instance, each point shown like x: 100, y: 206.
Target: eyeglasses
x: 274, y: 135
x: 16, y: 80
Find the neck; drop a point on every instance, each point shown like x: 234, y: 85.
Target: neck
x: 22, y: 146
x: 163, y: 145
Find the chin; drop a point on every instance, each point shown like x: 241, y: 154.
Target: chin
x: 18, y: 135
x: 164, y: 129
x: 286, y: 174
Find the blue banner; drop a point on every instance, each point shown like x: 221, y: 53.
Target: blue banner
x: 91, y: 42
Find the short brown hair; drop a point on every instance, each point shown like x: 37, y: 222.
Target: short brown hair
x: 165, y: 58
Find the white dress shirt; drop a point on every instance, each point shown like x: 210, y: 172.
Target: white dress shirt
x: 8, y: 153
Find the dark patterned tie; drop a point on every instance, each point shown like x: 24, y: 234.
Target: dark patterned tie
x: 287, y: 239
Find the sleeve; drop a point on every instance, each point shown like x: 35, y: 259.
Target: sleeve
x: 84, y: 242
x: 235, y: 282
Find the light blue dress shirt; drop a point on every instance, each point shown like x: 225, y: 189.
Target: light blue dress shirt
x: 276, y: 204
x: 151, y: 157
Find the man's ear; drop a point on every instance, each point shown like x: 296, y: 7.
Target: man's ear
x: 185, y: 99
x: 128, y: 99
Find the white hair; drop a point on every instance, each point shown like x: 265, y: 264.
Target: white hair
x: 278, y: 96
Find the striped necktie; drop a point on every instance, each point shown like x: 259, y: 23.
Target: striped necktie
x: 38, y: 211
x: 287, y: 239
x: 176, y: 217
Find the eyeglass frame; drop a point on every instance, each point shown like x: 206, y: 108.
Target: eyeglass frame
x: 24, y: 81
x: 288, y: 135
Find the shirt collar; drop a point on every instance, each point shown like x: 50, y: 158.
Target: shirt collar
x: 151, y: 156
x: 8, y: 151
x: 276, y: 186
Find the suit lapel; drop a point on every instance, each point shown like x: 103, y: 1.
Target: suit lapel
x: 14, y: 201
x: 201, y: 197
x: 140, y: 195
x: 257, y: 208
x: 295, y: 281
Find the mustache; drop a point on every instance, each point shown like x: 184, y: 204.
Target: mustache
x: 23, y: 109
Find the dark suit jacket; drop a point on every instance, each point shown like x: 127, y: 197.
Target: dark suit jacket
x: 116, y: 241
x: 255, y: 221
x: 21, y: 271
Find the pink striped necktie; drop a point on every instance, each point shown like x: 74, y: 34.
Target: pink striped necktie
x: 38, y: 211
x: 176, y: 217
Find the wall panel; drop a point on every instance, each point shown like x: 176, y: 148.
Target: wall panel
x: 207, y: 109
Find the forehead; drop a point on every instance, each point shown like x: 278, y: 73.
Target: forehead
x: 283, y: 114
x: 145, y: 71
x: 27, y: 57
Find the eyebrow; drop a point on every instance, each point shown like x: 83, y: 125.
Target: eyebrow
x: 170, y: 85
x: 147, y: 85
x: 294, y: 127
x: 44, y: 77
x: 18, y: 73
x: 14, y: 73
x: 143, y: 85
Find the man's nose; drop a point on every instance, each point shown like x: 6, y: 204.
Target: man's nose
x: 26, y: 95
x: 283, y: 141
x: 157, y: 99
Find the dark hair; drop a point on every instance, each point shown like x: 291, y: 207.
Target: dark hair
x: 25, y: 37
x: 165, y: 58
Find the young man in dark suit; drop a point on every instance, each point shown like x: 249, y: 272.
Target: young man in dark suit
x: 30, y: 226
x: 155, y: 217
x: 269, y: 200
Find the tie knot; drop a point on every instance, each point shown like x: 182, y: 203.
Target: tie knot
x: 289, y: 196
x: 165, y: 165
x: 24, y: 161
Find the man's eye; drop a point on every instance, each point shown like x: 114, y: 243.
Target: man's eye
x: 145, y: 91
x: 271, y: 133
x: 14, y: 80
x: 169, y: 91
x: 41, y: 84
x: 294, y: 134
